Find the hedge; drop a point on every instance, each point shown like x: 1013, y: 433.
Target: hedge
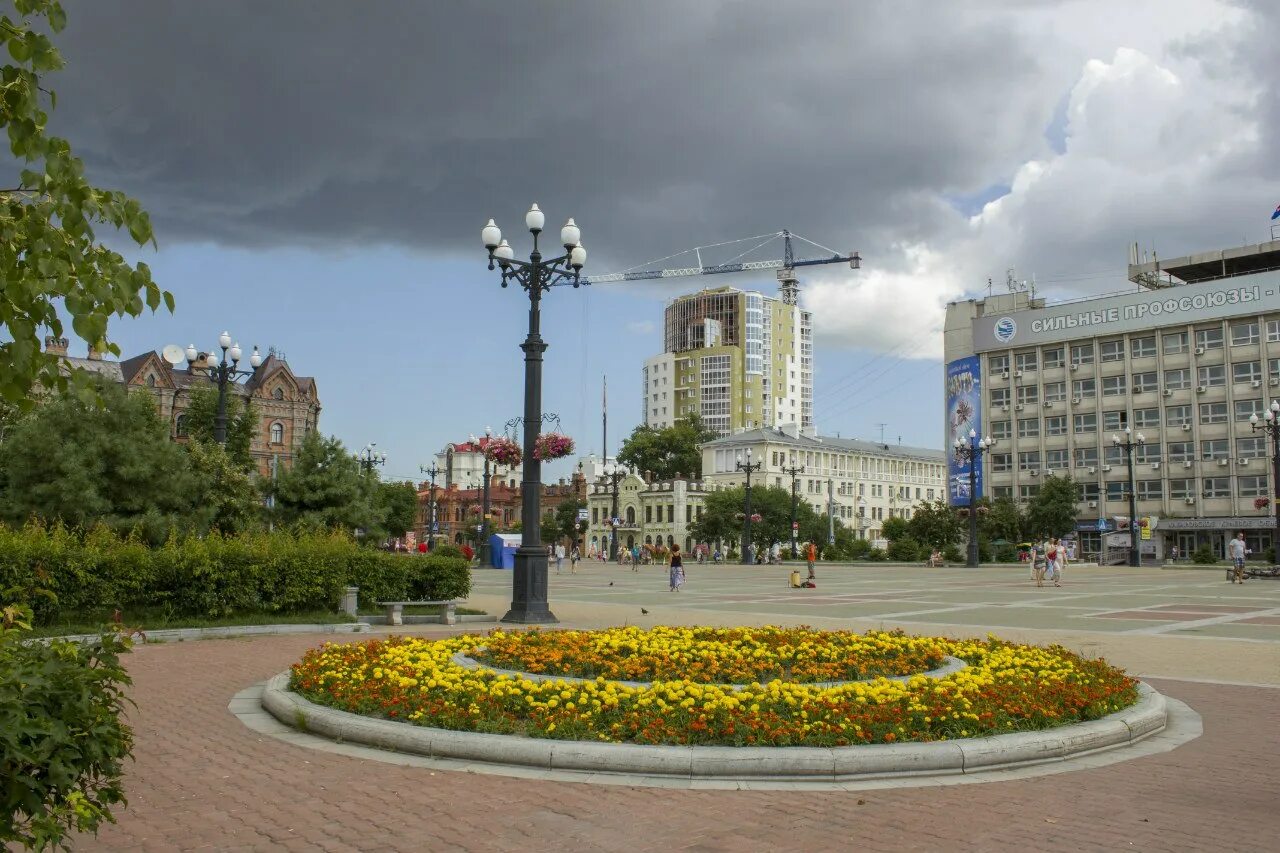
x: 212, y: 576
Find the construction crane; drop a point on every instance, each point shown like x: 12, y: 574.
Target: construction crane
x: 786, y: 265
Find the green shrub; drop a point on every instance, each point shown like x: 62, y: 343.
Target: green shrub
x: 876, y: 555
x: 952, y: 554
x: 446, y: 550
x: 1204, y: 556
x: 62, y: 740
x: 904, y: 549
x: 214, y: 576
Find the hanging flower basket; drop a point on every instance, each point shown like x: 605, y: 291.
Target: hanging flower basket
x: 983, y: 510
x: 963, y: 512
x: 756, y: 518
x: 738, y: 516
x: 552, y: 445
x: 474, y: 509
x: 1261, y: 503
x: 503, y: 451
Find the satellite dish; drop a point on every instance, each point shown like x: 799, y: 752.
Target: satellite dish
x: 173, y: 354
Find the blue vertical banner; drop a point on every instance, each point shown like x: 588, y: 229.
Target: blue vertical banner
x: 964, y: 413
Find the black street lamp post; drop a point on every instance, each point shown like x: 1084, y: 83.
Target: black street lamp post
x: 794, y: 471
x: 1127, y: 445
x: 223, y: 373
x: 370, y: 458
x: 1271, y: 425
x: 748, y: 466
x: 972, y: 451
x: 613, y: 474
x: 483, y: 550
x: 432, y: 515
x: 529, y: 578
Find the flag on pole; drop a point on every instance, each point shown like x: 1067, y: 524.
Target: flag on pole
x: 1275, y: 214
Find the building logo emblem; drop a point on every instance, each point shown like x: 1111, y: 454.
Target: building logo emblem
x: 1006, y: 328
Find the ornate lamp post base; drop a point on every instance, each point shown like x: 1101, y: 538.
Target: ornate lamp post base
x: 529, y: 589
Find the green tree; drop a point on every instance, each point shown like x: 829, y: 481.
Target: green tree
x: 722, y: 518
x: 667, y: 451
x: 894, y: 528
x: 1004, y: 519
x: 326, y: 488
x: 225, y: 497
x: 51, y: 264
x: 399, y: 505
x: 242, y: 422
x: 85, y: 462
x: 935, y: 524
x: 550, y: 530
x: 1052, y: 512
x: 567, y: 518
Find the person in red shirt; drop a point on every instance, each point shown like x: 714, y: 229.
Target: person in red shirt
x: 812, y: 556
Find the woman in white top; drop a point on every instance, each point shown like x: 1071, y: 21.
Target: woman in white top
x: 1060, y: 563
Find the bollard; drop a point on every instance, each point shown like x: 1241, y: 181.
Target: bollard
x: 349, y: 596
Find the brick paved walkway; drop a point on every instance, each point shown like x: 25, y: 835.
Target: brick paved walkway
x: 203, y: 781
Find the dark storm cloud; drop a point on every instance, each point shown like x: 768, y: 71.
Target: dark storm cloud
x: 658, y: 125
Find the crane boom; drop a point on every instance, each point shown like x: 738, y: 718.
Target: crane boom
x: 785, y: 264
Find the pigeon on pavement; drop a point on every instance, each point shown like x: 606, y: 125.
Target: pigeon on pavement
x: 642, y: 610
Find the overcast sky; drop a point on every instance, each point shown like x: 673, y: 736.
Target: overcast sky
x: 318, y: 174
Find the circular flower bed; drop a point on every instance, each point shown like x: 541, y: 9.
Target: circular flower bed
x: 711, y: 655
x: 1005, y: 688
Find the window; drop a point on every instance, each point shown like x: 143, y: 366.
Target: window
x: 277, y: 433
x: 1086, y: 457
x: 180, y: 425
x: 151, y: 381
x: 1150, y: 490
x: 998, y: 492
x: 1174, y: 342
x: 1086, y: 423
x: 1053, y: 357
x: 1217, y: 487
x: 1181, y: 488
x: 1026, y: 493
x: 1113, y: 386
x: 1145, y: 382
x: 1177, y: 415
x: 1251, y: 486
x: 1273, y: 331
x: 1024, y: 360
x: 1181, y: 451
x: 1082, y: 354
x: 1111, y: 351
x: 1084, y: 388
x: 1112, y: 454
x: 1028, y: 394
x: 1000, y: 429
x: 1029, y: 460
x: 1146, y: 418
x: 1088, y: 491
x: 1149, y: 452
x: 277, y: 394
x: 1273, y: 368
x: 998, y: 363
x: 1055, y: 392
x: 999, y: 397
x: 1251, y: 448
x: 1116, y: 490
x: 1112, y: 421
x: 1247, y: 408
x: 648, y: 515
x: 1217, y: 448
x: 1056, y: 459
x: 1056, y: 425
x: 1177, y: 380
x: 1213, y: 375
x: 1243, y: 334
x: 1213, y: 413
x: 1029, y: 428
x: 1143, y: 347
x: 1001, y: 462
x: 1243, y: 372
x: 1209, y: 338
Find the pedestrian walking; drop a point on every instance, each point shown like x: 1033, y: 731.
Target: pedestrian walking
x: 677, y: 569
x: 574, y: 556
x: 635, y: 558
x: 1060, y: 563
x: 1236, y: 551
x: 1036, y: 556
x: 811, y: 555
x: 558, y: 552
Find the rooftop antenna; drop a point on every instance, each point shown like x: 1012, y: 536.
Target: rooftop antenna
x: 882, y: 426
x: 990, y: 286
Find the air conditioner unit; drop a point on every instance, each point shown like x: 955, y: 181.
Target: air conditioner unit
x: 1199, y: 350
x: 1275, y: 380
x: 1034, y: 473
x: 1075, y: 401
x: 1187, y: 464
x: 1222, y: 463
x: 1004, y: 375
x: 1093, y: 469
x: 1075, y: 367
x: 1190, y: 500
x: 1018, y: 407
x: 1106, y: 468
x: 1093, y: 504
x: 1168, y: 392
x: 1005, y: 407
x: 1048, y: 404
x: 1017, y: 375
x: 1257, y: 383
x: 1244, y: 460
x: 1186, y: 427
x: 1155, y: 466
x: 1200, y: 389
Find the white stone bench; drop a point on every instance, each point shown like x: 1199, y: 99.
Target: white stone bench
x: 395, y: 610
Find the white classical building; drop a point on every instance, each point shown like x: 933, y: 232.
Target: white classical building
x: 864, y: 482
x: 650, y: 513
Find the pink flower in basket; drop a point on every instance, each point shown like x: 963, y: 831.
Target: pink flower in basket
x: 503, y: 451
x: 756, y: 518
x: 474, y: 509
x: 1261, y: 503
x: 552, y: 445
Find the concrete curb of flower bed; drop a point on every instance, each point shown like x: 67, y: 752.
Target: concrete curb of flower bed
x: 726, y: 766
x: 172, y: 635
x: 428, y: 619
x: 950, y: 666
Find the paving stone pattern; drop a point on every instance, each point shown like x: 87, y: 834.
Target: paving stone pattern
x: 203, y: 781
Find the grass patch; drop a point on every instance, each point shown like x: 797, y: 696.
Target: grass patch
x: 96, y: 621
x: 422, y: 610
